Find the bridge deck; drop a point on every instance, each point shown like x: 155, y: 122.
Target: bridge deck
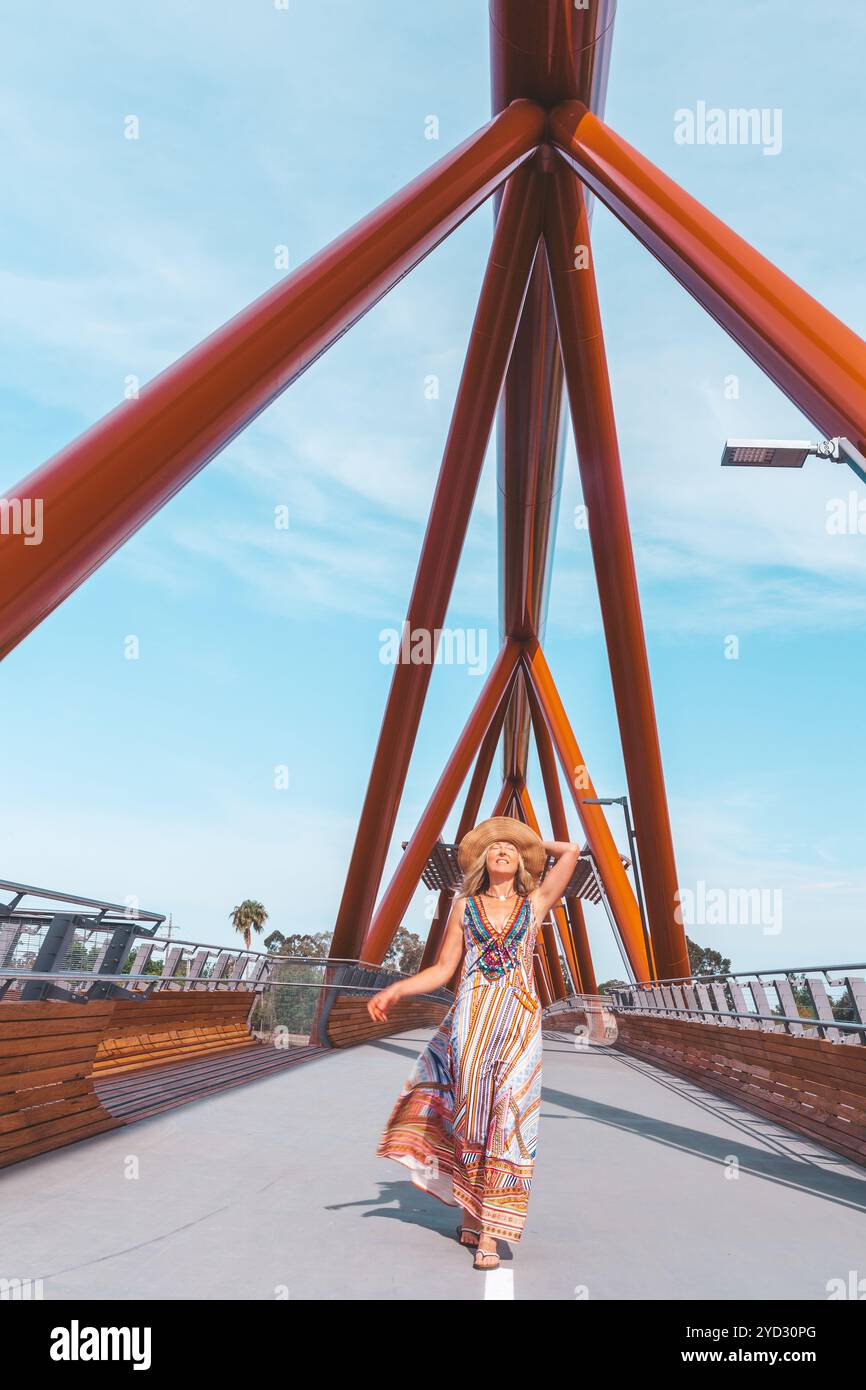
x: 276, y: 1185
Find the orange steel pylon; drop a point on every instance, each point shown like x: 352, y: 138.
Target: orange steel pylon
x: 536, y: 336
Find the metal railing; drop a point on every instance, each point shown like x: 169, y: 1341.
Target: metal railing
x: 298, y: 994
x: 798, y: 1001
x: 253, y: 970
x: 292, y: 999
x: 58, y: 945
x: 601, y: 1026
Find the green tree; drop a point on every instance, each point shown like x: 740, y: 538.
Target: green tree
x: 153, y: 967
x: 301, y: 944
x: 250, y: 916
x: 563, y: 965
x: 842, y: 1008
x: 294, y: 987
x: 703, y: 960
x: 405, y: 952
x: 81, y: 956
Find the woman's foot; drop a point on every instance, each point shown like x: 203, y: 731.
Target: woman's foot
x: 486, y: 1256
x: 467, y: 1236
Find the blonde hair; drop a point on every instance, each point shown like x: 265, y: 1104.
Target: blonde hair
x: 476, y: 878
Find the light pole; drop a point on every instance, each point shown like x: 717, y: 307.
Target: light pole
x: 791, y: 453
x: 632, y: 843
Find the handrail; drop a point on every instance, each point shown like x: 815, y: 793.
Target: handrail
x: 743, y: 974
x: 235, y: 952
x: 779, y: 1021
x: 152, y: 981
x: 25, y: 890
x: 800, y: 1021
x: 723, y: 998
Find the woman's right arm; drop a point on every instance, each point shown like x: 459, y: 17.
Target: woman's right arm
x: 434, y: 977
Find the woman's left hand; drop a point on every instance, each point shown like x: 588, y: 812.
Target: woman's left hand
x: 378, y: 1006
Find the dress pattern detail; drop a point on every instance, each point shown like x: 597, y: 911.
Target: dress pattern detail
x: 497, y: 953
x: 466, y: 1121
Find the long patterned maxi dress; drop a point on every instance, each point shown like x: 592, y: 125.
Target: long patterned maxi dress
x: 466, y: 1121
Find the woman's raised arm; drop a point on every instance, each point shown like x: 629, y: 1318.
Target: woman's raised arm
x: 556, y: 880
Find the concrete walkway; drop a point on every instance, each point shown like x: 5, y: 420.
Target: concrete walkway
x: 645, y: 1187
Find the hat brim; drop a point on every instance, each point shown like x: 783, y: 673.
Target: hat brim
x: 507, y: 828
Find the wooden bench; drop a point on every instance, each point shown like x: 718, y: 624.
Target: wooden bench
x: 172, y: 1027
x: 47, y: 1098
x: 349, y: 1024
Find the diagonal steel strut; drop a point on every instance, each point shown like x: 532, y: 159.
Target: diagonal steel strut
x: 812, y: 356
x: 567, y: 238
x: 619, y: 891
x: 99, y: 490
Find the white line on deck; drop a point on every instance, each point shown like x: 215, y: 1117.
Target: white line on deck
x: 499, y: 1283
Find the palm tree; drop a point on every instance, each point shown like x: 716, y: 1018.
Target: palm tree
x: 250, y: 915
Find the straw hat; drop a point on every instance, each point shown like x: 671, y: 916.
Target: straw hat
x: 503, y: 828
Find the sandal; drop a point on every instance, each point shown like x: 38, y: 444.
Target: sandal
x: 486, y: 1255
x: 467, y: 1231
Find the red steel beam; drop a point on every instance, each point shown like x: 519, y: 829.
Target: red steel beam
x: 433, y: 944
x: 542, y: 974
x: 542, y: 969
x: 550, y: 50
x: 398, y: 894
x: 530, y: 456
x: 575, y: 940
x: 554, y: 968
x: 575, y: 295
x: 99, y: 490
x: 584, y: 983
x: 530, y: 461
x: 515, y: 243
x: 522, y: 811
x: 817, y: 361
x: 623, y: 903
x: 504, y: 799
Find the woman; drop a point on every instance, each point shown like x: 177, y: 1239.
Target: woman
x: 467, y: 1119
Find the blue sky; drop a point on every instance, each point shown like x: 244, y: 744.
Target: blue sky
x: 261, y: 127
